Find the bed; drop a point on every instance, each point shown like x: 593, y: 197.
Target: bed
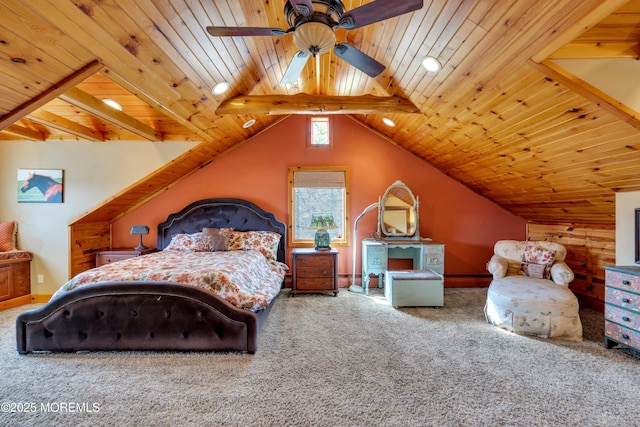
x: 154, y: 314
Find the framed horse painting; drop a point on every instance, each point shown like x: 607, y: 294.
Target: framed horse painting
x: 40, y: 185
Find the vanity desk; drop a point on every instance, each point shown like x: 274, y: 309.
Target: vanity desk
x: 425, y: 254
x: 398, y: 237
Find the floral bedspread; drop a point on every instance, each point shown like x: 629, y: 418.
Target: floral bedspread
x: 246, y: 279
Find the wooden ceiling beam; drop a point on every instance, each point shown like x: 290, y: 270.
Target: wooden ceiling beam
x: 65, y: 125
x: 50, y: 94
x: 96, y: 107
x: 23, y: 132
x: 593, y: 94
x: 598, y: 50
x: 316, y: 104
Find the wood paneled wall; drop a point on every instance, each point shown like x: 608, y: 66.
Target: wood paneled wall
x: 85, y: 239
x: 589, y: 250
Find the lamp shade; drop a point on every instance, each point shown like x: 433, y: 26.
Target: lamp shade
x: 323, y: 221
x: 139, y: 229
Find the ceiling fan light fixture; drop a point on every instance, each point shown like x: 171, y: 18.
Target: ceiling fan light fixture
x: 249, y: 123
x: 314, y: 37
x: 113, y: 104
x: 387, y: 121
x: 431, y: 64
x: 220, y: 88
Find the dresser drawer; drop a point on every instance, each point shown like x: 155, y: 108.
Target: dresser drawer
x: 622, y: 299
x: 624, y: 281
x: 622, y: 335
x: 306, y: 284
x: 623, y: 317
x: 315, y: 260
x: 309, y: 271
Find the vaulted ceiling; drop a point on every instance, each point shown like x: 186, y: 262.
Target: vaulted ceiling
x: 500, y: 116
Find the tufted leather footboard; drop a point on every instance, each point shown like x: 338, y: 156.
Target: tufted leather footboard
x: 139, y: 316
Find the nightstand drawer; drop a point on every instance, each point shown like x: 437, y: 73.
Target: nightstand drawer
x: 114, y: 255
x: 102, y: 259
x: 316, y: 260
x: 315, y: 271
x: 324, y: 284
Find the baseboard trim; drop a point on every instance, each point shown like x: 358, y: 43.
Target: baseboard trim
x: 40, y: 299
x: 15, y: 302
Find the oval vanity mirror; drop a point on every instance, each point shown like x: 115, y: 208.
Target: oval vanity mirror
x: 398, y: 211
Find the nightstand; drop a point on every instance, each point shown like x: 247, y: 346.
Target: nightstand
x: 314, y: 271
x: 113, y: 255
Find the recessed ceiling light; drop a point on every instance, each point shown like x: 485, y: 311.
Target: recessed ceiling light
x: 387, y: 121
x: 431, y: 64
x: 249, y: 123
x: 113, y: 104
x: 220, y: 88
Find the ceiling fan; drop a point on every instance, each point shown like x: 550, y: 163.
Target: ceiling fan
x: 313, y: 24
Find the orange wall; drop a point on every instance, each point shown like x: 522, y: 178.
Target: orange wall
x: 466, y: 222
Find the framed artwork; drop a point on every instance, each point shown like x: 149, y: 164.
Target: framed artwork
x: 638, y: 236
x: 40, y: 185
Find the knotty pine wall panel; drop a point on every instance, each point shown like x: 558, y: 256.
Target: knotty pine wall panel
x: 589, y: 250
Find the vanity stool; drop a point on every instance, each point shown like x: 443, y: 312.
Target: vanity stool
x: 414, y: 288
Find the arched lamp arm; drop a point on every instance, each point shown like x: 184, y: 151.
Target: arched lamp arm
x: 353, y: 287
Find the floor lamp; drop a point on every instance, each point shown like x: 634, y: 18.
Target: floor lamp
x: 353, y: 287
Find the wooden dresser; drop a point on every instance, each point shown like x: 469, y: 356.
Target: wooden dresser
x: 113, y: 255
x: 314, y: 271
x: 15, y: 275
x: 622, y: 306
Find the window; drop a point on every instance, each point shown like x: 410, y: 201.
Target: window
x: 318, y: 190
x: 320, y: 132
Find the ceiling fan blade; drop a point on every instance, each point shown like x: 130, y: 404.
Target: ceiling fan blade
x: 295, y: 68
x: 304, y: 7
x: 358, y: 59
x: 377, y: 11
x: 244, y: 31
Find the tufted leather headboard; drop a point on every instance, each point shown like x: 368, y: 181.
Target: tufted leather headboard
x: 218, y: 213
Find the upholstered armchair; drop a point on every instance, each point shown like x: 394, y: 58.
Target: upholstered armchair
x: 529, y: 293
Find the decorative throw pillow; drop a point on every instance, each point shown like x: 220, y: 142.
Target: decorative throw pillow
x: 8, y: 234
x: 536, y: 262
x: 538, y: 271
x: 216, y: 239
x: 537, y: 255
x: 187, y: 242
x: 264, y: 241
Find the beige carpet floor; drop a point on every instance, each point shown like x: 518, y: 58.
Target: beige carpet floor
x: 350, y: 360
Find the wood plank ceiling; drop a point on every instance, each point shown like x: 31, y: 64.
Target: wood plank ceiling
x: 499, y: 116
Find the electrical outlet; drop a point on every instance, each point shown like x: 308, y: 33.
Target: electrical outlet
x: 40, y: 278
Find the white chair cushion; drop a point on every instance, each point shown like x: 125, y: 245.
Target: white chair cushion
x: 539, y: 307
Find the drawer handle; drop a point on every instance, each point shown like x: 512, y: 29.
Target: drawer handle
x: 325, y: 272
x: 626, y: 319
x: 625, y: 336
x: 626, y: 300
x: 626, y: 282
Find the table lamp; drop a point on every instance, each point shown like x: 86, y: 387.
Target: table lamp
x: 139, y: 230
x: 322, y: 223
